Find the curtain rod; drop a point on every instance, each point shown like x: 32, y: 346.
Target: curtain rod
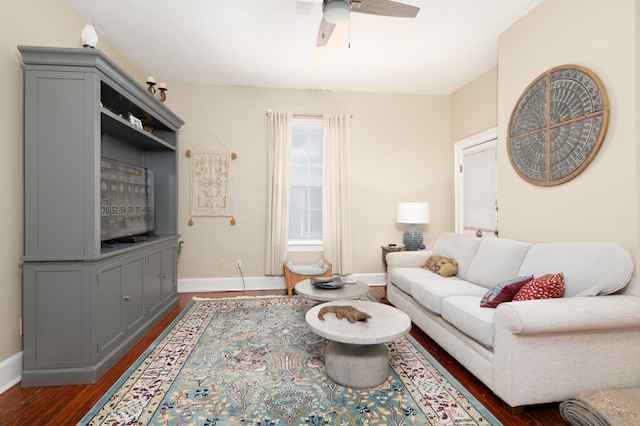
x: 308, y: 114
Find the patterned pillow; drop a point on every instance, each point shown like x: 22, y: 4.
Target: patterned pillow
x: 548, y: 286
x: 504, y: 291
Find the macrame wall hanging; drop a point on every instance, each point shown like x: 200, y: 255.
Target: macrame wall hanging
x: 211, y: 189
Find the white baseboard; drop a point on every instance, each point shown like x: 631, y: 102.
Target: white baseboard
x: 196, y: 285
x: 10, y: 372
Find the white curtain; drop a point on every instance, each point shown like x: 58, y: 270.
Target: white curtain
x: 278, y: 145
x: 336, y: 193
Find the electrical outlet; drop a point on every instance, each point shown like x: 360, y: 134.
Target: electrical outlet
x: 221, y: 264
x: 239, y: 263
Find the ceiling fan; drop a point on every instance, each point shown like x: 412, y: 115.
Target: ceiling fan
x: 336, y: 11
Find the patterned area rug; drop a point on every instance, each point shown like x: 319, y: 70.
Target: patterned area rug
x: 253, y: 361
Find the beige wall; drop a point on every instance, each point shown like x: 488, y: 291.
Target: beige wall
x: 600, y: 204
x: 474, y: 107
x: 400, y: 152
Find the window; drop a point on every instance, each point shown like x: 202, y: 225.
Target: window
x: 480, y: 202
x: 305, y: 201
x: 476, y: 185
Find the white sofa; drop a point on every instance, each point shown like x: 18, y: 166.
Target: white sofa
x: 534, y: 351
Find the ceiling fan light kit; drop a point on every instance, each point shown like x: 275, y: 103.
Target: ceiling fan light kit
x: 336, y: 11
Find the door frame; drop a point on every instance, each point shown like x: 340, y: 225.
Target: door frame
x: 484, y: 137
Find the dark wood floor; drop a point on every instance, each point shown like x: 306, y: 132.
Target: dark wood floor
x: 66, y: 405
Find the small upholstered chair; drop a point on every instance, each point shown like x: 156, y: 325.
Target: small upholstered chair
x: 293, y: 274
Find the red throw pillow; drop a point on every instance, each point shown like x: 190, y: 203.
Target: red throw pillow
x: 504, y: 292
x: 548, y: 286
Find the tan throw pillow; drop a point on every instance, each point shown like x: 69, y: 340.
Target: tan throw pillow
x: 548, y: 286
x: 442, y: 265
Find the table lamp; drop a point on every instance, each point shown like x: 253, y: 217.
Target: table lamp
x: 413, y: 214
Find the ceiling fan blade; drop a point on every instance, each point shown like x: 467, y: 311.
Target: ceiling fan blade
x: 324, y: 32
x: 384, y: 8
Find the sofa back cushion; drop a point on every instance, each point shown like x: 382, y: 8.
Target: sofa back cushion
x: 589, y: 268
x: 497, y: 260
x: 461, y: 248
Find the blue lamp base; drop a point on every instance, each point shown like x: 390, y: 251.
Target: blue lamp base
x: 412, y: 238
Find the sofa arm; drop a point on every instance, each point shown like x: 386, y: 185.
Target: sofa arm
x: 569, y: 314
x: 406, y: 259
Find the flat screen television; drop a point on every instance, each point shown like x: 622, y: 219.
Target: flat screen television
x: 127, y: 201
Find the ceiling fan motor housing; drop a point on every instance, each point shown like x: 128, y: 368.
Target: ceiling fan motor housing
x: 336, y: 11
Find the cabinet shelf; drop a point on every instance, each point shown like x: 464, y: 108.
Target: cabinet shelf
x: 119, y: 127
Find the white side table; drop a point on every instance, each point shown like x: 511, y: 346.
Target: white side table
x: 356, y: 355
x: 347, y: 291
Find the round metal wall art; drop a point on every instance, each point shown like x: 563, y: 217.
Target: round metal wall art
x: 558, y: 125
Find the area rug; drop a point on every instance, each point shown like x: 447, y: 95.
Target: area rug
x: 253, y: 361
x: 613, y: 407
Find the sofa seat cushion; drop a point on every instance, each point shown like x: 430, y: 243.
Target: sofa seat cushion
x: 589, y: 268
x: 430, y: 292
x: 403, y: 278
x: 465, y: 314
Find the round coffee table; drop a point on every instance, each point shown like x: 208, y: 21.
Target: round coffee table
x: 348, y: 291
x: 356, y: 355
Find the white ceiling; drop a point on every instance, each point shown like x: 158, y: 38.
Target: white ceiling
x: 272, y: 43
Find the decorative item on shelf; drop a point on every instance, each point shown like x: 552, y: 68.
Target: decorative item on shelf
x: 89, y: 37
x: 151, y: 82
x: 413, y: 214
x: 135, y: 121
x: 162, y: 88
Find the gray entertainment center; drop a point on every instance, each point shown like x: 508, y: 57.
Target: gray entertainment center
x: 86, y: 302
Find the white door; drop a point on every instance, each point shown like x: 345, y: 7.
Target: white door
x: 477, y: 185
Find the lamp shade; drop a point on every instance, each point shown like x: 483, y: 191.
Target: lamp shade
x: 336, y: 11
x: 413, y: 213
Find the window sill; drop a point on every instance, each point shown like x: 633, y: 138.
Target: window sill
x: 304, y: 246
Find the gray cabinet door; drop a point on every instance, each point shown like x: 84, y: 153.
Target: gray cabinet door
x: 133, y: 297
x: 153, y: 281
x: 169, y: 275
x: 56, y: 316
x: 110, y: 318
x: 60, y: 134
